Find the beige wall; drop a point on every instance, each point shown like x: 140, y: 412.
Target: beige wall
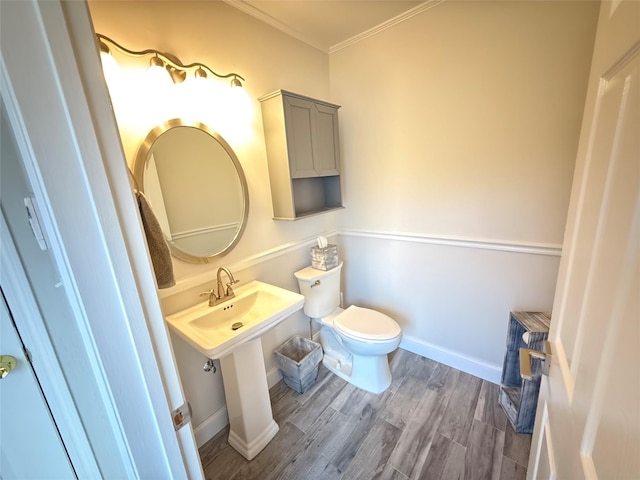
x: 464, y: 120
x: 459, y: 136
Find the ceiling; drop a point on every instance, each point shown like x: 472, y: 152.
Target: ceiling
x: 331, y: 24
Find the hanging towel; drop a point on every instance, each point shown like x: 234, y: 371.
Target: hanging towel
x: 158, y: 248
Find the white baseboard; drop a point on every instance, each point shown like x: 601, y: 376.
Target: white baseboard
x: 211, y: 426
x: 273, y: 376
x: 490, y: 372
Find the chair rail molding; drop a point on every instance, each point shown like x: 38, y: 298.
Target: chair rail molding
x: 515, y: 246
x: 512, y: 246
x: 247, y: 262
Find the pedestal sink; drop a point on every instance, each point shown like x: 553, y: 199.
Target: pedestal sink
x: 231, y: 331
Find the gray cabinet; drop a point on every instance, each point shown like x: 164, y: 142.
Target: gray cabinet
x: 303, y: 151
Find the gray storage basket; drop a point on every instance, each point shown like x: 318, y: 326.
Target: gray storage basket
x: 298, y: 359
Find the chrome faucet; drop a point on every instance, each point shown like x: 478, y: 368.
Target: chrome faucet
x: 222, y: 294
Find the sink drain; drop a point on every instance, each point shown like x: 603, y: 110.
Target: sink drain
x: 237, y: 325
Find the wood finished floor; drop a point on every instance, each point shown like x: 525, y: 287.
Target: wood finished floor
x: 434, y: 422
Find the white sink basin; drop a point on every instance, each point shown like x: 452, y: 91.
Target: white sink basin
x: 257, y: 307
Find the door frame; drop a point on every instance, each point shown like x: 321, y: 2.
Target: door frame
x: 74, y: 162
x: 32, y: 330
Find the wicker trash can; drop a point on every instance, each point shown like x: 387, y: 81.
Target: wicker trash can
x: 299, y: 360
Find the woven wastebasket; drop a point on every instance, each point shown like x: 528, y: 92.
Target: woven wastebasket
x: 298, y: 359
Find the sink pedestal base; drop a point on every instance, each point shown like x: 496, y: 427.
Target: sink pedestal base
x: 245, y: 385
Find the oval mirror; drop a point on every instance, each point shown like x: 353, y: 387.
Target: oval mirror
x: 196, y: 187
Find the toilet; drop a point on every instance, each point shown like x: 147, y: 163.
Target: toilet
x: 356, y: 340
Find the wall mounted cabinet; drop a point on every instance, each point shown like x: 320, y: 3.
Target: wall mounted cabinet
x: 303, y: 151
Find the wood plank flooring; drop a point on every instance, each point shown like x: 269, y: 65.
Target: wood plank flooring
x: 434, y: 422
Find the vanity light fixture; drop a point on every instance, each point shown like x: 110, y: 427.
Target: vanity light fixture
x: 172, y: 64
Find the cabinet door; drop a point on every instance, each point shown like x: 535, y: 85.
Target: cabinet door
x: 327, y: 151
x: 298, y: 116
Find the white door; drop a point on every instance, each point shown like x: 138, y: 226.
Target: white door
x: 30, y: 446
x: 588, y: 418
x: 74, y: 163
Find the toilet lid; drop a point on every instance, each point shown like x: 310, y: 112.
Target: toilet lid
x: 366, y: 324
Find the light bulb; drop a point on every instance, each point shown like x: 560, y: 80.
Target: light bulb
x: 110, y: 68
x: 239, y: 104
x: 158, y: 75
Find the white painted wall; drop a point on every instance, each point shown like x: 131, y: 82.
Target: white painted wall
x: 452, y: 302
x: 461, y: 123
x: 459, y: 130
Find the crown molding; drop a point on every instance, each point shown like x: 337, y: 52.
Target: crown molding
x: 274, y: 22
x: 386, y: 25
x: 249, y: 9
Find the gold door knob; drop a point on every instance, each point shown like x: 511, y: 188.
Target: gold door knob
x: 7, y: 363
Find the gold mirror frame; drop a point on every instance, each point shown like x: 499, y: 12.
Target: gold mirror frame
x: 140, y: 162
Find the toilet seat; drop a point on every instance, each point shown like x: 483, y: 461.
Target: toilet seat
x: 366, y: 324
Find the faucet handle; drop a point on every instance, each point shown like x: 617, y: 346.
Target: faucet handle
x: 208, y: 293
x: 229, y: 289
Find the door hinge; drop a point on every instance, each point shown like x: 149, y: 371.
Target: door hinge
x: 181, y: 416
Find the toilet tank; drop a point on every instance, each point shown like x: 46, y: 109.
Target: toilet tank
x: 321, y: 290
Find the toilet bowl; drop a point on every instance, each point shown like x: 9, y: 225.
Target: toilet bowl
x: 355, y: 341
